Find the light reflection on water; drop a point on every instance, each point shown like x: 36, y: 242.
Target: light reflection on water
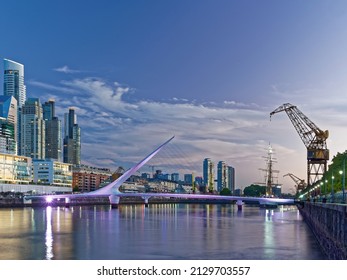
x: 161, y: 231
x: 49, y: 233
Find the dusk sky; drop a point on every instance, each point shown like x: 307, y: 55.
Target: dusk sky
x: 208, y: 72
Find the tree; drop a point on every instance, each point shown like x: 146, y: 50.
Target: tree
x: 225, y: 191
x: 254, y: 190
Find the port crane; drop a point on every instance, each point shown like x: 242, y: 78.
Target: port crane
x: 300, y: 184
x: 313, y: 138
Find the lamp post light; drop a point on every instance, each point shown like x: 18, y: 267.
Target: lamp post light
x: 320, y: 190
x: 343, y: 179
x: 325, y: 187
x: 332, y: 189
x: 341, y: 172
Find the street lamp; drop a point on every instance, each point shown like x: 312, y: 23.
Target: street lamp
x: 320, y: 190
x: 341, y: 172
x: 343, y: 179
x: 332, y: 189
x: 325, y: 187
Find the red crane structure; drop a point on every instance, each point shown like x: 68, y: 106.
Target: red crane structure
x: 313, y: 138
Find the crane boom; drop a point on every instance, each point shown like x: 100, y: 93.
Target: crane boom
x: 311, y: 135
x: 300, y: 183
x: 313, y: 138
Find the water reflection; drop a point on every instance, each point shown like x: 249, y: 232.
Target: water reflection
x: 268, y: 234
x: 161, y: 231
x: 49, y: 234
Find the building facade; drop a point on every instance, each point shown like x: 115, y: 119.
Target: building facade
x: 14, y: 81
x: 14, y: 86
x: 32, y: 130
x: 208, y: 174
x: 175, y: 177
x: 8, y: 145
x: 222, y: 176
x: 231, y: 180
x: 87, y: 178
x: 225, y: 177
x: 51, y: 172
x: 15, y: 169
x: 72, y: 139
x: 9, y: 113
x: 188, y: 179
x: 53, y: 138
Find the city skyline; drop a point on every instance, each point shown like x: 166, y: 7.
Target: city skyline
x: 208, y: 72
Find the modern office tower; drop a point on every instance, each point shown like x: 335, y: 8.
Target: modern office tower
x: 8, y: 116
x: 208, y: 174
x: 53, y: 146
x: 33, y: 130
x: 72, y: 138
x: 14, y: 86
x: 14, y: 81
x: 222, y: 176
x: 231, y: 180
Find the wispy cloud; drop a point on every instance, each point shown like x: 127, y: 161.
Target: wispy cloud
x: 65, y: 69
x: 51, y: 87
x: 117, y: 131
x: 122, y: 131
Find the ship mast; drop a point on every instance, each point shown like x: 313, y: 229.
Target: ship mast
x: 269, y: 171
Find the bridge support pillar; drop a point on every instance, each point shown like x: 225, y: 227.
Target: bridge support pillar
x: 239, y: 205
x: 114, y: 201
x: 67, y: 202
x: 146, y: 201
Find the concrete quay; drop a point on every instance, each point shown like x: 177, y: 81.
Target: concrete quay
x: 328, y: 223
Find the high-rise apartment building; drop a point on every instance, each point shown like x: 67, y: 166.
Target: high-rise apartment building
x: 231, y: 180
x: 222, y: 176
x: 14, y: 86
x: 72, y: 138
x: 53, y: 146
x: 225, y: 177
x: 208, y: 174
x: 8, y: 125
x: 32, y: 129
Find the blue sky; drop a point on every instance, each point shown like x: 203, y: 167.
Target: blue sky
x: 209, y: 72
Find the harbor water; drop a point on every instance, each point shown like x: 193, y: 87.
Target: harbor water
x: 157, y: 232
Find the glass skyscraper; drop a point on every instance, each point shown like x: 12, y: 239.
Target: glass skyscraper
x: 231, y: 180
x: 72, y: 138
x: 53, y: 145
x: 33, y: 129
x: 14, y: 81
x: 8, y: 123
x: 14, y: 86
